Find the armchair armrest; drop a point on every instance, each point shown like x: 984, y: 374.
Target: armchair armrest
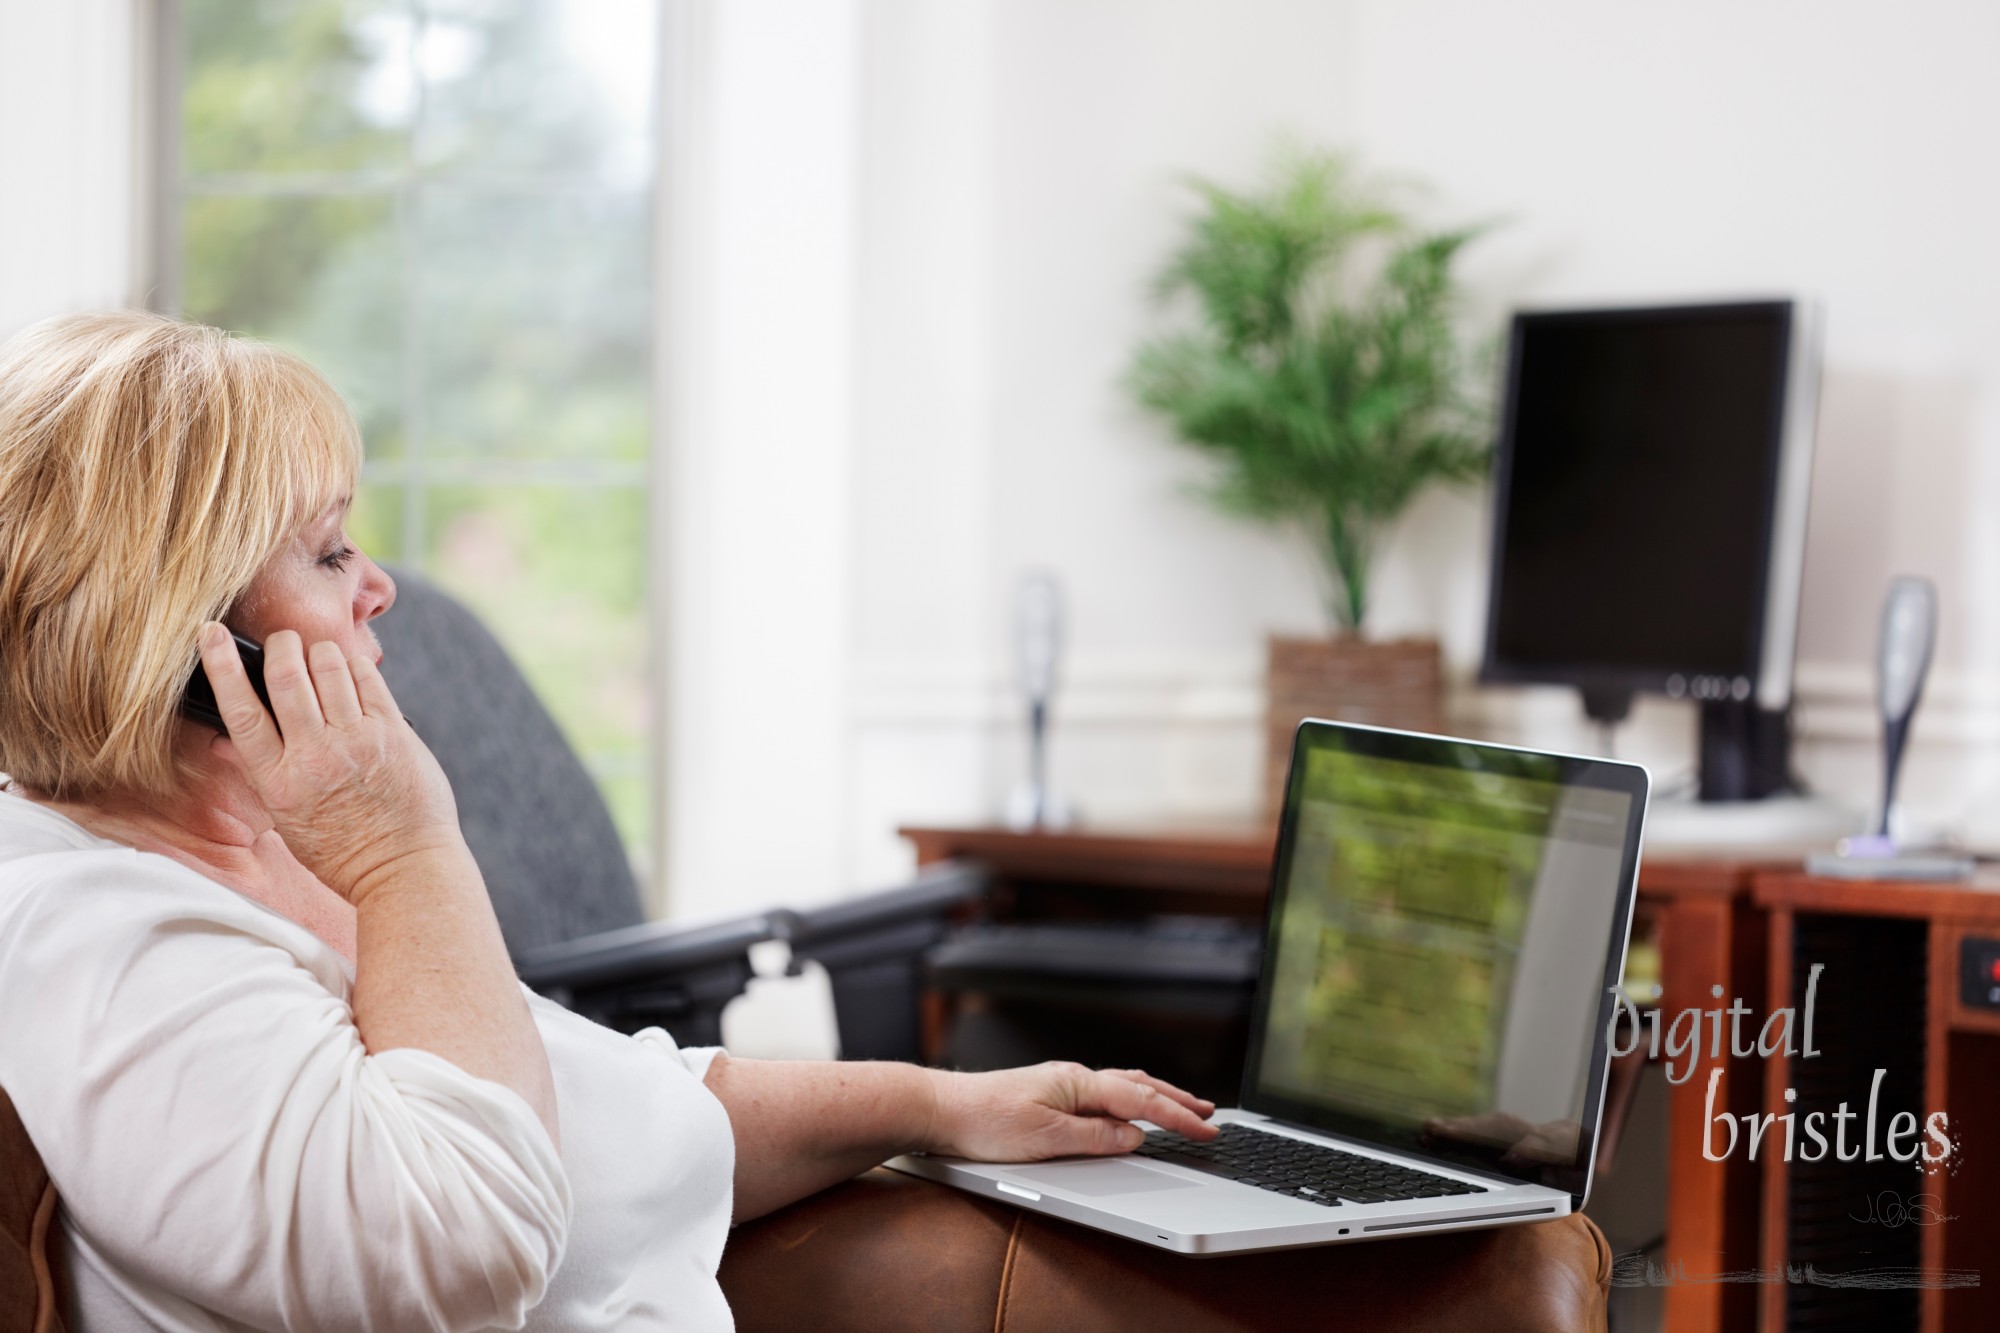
x: 653, y: 975
x: 680, y: 978
x: 873, y: 947
x: 890, y: 1251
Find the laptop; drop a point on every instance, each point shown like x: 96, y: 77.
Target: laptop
x: 1446, y: 922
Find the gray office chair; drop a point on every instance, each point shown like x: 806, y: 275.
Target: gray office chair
x: 563, y: 890
x: 539, y: 830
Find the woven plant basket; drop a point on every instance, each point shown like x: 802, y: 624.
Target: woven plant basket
x: 1398, y: 683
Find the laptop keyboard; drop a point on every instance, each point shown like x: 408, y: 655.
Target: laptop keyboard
x: 1303, y: 1170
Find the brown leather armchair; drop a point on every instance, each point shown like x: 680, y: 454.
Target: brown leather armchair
x: 30, y: 1283
x: 891, y: 1252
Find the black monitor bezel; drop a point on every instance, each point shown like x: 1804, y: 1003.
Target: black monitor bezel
x: 1572, y: 1177
x: 1498, y: 670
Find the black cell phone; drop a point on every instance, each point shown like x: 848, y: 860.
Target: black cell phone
x: 199, y: 700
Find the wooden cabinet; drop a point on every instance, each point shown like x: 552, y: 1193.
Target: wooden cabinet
x: 1897, y: 1010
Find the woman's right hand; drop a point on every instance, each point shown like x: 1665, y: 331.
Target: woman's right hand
x: 362, y: 804
x: 349, y: 786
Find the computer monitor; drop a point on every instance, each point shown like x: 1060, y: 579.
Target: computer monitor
x: 1649, y: 518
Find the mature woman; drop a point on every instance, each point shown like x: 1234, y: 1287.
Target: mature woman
x: 258, y: 1018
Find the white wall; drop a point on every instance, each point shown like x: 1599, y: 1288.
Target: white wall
x: 1014, y: 184
x: 68, y: 195
x: 1024, y: 182
x: 1643, y: 151
x: 1632, y: 152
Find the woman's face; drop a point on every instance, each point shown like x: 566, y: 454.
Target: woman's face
x: 322, y: 586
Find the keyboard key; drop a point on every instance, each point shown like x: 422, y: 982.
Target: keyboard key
x: 1305, y: 1171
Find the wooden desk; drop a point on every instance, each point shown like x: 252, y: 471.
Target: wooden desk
x: 1900, y: 944
x: 1710, y: 933
x: 1226, y: 871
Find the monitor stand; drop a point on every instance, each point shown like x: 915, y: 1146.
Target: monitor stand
x: 1747, y: 798
x: 1746, y: 752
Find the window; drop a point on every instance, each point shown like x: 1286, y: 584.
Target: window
x: 445, y: 205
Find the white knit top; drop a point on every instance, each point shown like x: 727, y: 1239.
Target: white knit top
x: 229, y: 1156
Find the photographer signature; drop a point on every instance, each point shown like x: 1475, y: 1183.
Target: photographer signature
x: 1892, y: 1210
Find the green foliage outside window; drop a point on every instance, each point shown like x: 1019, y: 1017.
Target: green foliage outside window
x: 445, y: 206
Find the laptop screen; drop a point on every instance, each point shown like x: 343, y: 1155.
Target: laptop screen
x: 1445, y: 921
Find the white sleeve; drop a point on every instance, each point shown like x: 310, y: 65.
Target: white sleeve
x: 696, y: 1059
x: 214, y: 1126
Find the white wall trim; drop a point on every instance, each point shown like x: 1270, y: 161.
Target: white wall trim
x: 753, y: 520
x: 147, y: 125
x: 1835, y: 700
x: 681, y: 173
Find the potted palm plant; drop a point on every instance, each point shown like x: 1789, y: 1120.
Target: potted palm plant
x: 1324, y: 374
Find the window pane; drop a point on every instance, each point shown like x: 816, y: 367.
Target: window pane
x: 376, y: 521
x: 558, y: 574
x: 625, y: 788
x: 319, y: 276
x: 534, y: 327
x: 552, y: 87
x: 444, y: 205
x: 323, y: 85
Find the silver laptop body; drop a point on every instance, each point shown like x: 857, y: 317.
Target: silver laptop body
x: 1447, y: 920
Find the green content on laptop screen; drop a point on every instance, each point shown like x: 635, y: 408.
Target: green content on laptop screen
x: 1441, y: 931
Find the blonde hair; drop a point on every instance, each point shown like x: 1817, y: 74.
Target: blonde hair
x: 149, y: 469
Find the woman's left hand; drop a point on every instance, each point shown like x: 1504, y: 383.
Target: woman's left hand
x: 1057, y: 1109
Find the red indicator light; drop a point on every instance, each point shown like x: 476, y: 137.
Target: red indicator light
x: 1993, y: 969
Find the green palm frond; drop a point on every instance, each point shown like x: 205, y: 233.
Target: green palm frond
x: 1326, y: 380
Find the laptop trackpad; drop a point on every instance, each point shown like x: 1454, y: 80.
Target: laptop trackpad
x: 1095, y: 1178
